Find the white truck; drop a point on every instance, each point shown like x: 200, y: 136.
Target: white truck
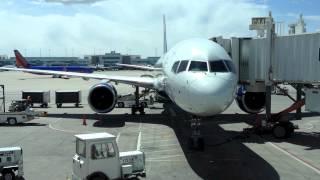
x: 11, y: 163
x: 13, y: 118
x: 98, y: 158
x: 128, y: 101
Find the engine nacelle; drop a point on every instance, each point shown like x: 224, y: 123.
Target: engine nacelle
x: 102, y: 97
x: 251, y: 102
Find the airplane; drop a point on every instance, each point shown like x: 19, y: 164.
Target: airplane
x: 197, y: 75
x: 21, y: 62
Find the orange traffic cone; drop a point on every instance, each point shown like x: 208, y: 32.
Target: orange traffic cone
x: 84, y: 121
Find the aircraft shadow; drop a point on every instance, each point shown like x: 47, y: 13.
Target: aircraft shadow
x: 23, y: 124
x: 226, y: 156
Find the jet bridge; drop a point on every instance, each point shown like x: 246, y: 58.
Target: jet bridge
x: 296, y: 58
x: 264, y: 62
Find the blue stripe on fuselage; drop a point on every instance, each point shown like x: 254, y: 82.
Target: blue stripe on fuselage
x: 79, y: 69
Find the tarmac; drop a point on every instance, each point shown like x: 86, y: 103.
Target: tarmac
x: 48, y: 142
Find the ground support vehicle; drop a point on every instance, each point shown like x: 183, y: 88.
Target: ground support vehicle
x: 63, y: 97
x: 37, y: 97
x: 18, y: 105
x: 11, y: 162
x: 98, y: 158
x: 13, y: 118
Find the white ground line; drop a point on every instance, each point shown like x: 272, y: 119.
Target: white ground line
x: 157, y: 141
x: 170, y: 160
x: 157, y: 138
x: 303, y: 162
x: 165, y: 157
x: 139, y: 137
x: 166, y: 145
x: 160, y: 151
x: 310, y: 126
x: 61, y: 130
x: 139, y: 142
x: 118, y: 136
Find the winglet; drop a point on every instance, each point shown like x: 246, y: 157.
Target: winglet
x: 165, y: 48
x: 21, y: 62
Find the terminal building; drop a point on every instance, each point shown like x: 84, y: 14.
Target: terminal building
x: 112, y: 58
x: 106, y: 60
x: 47, y: 61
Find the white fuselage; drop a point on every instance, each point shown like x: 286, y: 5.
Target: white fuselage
x: 205, y: 84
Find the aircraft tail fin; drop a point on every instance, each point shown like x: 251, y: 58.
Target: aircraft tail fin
x: 165, y: 47
x: 21, y: 62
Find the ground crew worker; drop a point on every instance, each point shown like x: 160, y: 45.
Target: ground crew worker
x: 29, y: 101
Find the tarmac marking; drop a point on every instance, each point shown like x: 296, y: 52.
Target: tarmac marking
x: 61, y: 130
x: 295, y: 157
x: 166, y: 157
x: 139, y: 142
x: 156, y: 141
x: 156, y: 138
x: 165, y: 145
x: 139, y: 137
x: 118, y: 136
x: 170, y: 160
x: 309, y: 126
x: 160, y: 151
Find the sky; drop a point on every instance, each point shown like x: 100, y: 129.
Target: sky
x: 83, y: 27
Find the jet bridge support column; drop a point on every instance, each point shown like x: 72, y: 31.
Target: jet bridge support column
x: 3, y: 98
x: 137, y: 106
x: 299, y: 97
x: 136, y: 93
x: 268, y: 102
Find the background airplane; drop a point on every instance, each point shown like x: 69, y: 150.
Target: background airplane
x: 21, y: 62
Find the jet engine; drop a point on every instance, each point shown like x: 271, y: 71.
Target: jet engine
x: 102, y: 97
x: 251, y: 102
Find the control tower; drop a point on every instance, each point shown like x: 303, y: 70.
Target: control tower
x: 299, y: 27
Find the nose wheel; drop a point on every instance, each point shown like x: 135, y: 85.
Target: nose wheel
x: 196, y: 140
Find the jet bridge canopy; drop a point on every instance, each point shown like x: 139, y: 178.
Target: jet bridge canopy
x: 295, y: 58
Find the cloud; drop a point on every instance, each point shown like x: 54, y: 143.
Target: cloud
x: 126, y: 26
x: 69, y: 2
x: 312, y: 18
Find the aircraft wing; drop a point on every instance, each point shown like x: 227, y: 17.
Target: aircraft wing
x: 147, y: 82
x: 150, y: 68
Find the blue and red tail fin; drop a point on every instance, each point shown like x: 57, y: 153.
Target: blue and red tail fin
x: 21, y: 62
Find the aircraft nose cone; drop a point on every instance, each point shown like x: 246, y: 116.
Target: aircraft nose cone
x: 212, y: 95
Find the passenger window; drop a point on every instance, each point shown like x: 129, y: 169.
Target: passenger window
x: 174, y: 67
x: 183, y: 66
x: 111, y: 152
x: 198, y: 66
x: 230, y: 66
x: 218, y: 66
x: 99, y: 151
x: 81, y: 148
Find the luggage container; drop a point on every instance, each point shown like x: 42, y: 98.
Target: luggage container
x: 37, y: 97
x: 70, y: 96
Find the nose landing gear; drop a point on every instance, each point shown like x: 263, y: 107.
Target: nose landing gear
x: 196, y: 140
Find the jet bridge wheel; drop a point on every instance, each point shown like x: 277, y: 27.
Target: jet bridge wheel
x: 283, y: 130
x: 8, y: 175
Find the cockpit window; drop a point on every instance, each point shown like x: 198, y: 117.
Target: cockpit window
x: 183, y: 66
x: 198, y: 66
x: 218, y: 66
x: 230, y: 66
x: 174, y: 67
